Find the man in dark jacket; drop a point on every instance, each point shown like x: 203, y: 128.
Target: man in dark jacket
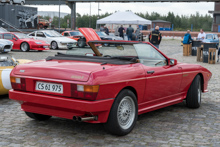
x: 106, y: 30
x: 121, y: 31
x: 129, y: 32
x: 187, y: 38
x: 155, y: 37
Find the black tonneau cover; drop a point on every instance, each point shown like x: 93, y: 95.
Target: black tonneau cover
x: 105, y: 60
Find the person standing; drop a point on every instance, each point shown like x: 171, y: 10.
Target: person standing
x: 137, y: 33
x: 116, y: 31
x: 201, y: 35
x: 121, y: 31
x: 187, y: 38
x: 129, y: 32
x: 106, y: 30
x: 155, y: 37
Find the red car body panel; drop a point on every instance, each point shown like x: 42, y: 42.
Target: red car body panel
x: 30, y: 41
x: 71, y: 37
x: 168, y: 85
x: 89, y: 34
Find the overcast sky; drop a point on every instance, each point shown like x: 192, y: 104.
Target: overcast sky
x: 161, y: 8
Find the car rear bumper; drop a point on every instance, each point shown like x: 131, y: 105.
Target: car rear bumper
x: 62, y: 106
x: 37, y: 47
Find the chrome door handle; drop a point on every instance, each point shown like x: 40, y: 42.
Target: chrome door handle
x: 150, y: 72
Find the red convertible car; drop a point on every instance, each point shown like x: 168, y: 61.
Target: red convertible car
x: 25, y: 43
x: 110, y: 85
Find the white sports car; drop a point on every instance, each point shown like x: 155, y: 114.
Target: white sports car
x: 5, y: 45
x: 55, y: 39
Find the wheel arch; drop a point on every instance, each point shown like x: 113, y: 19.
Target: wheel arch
x: 130, y: 88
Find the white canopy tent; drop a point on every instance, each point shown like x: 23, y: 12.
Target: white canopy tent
x: 127, y: 17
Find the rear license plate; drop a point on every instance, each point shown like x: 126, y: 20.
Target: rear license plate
x: 45, y: 46
x: 49, y: 87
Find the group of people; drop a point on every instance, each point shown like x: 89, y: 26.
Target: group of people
x: 155, y: 36
x: 187, y: 39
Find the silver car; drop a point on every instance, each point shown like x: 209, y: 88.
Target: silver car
x: 5, y: 45
x: 20, y: 2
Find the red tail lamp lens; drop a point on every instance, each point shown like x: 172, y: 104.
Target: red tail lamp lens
x: 18, y: 83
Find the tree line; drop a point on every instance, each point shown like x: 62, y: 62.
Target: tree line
x: 180, y: 22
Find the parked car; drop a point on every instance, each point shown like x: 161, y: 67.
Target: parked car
x: 43, y: 23
x: 55, y: 39
x: 5, y: 45
x: 25, y: 43
x: 20, y: 2
x: 76, y: 35
x: 3, y: 30
x: 110, y: 85
x: 104, y: 36
x: 7, y: 63
x: 212, y: 38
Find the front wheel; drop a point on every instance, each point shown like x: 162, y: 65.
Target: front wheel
x: 54, y: 45
x: 39, y: 117
x: 194, y: 95
x: 25, y: 47
x: 81, y: 43
x: 123, y: 114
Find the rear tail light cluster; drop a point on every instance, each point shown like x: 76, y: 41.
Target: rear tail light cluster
x: 18, y: 83
x: 88, y: 92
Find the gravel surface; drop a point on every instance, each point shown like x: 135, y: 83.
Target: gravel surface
x: 171, y: 126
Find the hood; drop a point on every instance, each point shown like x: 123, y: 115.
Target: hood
x: 89, y: 34
x: 63, y: 70
x: 63, y: 39
x: 5, y: 42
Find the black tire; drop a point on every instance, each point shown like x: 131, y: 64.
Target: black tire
x: 81, y: 43
x: 39, y: 117
x: 25, y: 47
x: 54, y: 45
x: 194, y: 95
x: 116, y: 117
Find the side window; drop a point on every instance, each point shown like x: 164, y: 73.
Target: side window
x: 32, y: 34
x: 216, y: 36
x: 8, y: 36
x: 149, y: 56
x: 66, y: 34
x: 40, y: 34
x: 1, y: 36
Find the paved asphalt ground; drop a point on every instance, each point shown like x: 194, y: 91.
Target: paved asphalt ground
x: 172, y: 126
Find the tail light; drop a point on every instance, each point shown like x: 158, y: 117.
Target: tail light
x: 88, y: 92
x: 18, y: 83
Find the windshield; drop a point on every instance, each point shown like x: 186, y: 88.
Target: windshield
x: 76, y: 34
x: 208, y: 36
x: 52, y: 34
x: 145, y: 53
x: 101, y: 33
x: 21, y: 35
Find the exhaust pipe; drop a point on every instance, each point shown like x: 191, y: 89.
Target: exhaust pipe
x: 81, y: 119
x: 75, y: 118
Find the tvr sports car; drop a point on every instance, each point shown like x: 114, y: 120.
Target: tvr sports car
x: 24, y: 43
x: 109, y: 85
x: 7, y: 63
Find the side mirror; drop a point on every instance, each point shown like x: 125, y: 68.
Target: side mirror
x: 172, y: 62
x: 14, y: 38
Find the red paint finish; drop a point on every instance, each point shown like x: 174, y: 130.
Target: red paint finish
x: 89, y: 34
x: 167, y: 85
x: 31, y: 42
x: 77, y: 37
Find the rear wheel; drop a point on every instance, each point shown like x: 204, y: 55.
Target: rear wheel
x: 25, y: 47
x: 194, y: 95
x: 39, y: 117
x: 123, y: 114
x: 81, y: 43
